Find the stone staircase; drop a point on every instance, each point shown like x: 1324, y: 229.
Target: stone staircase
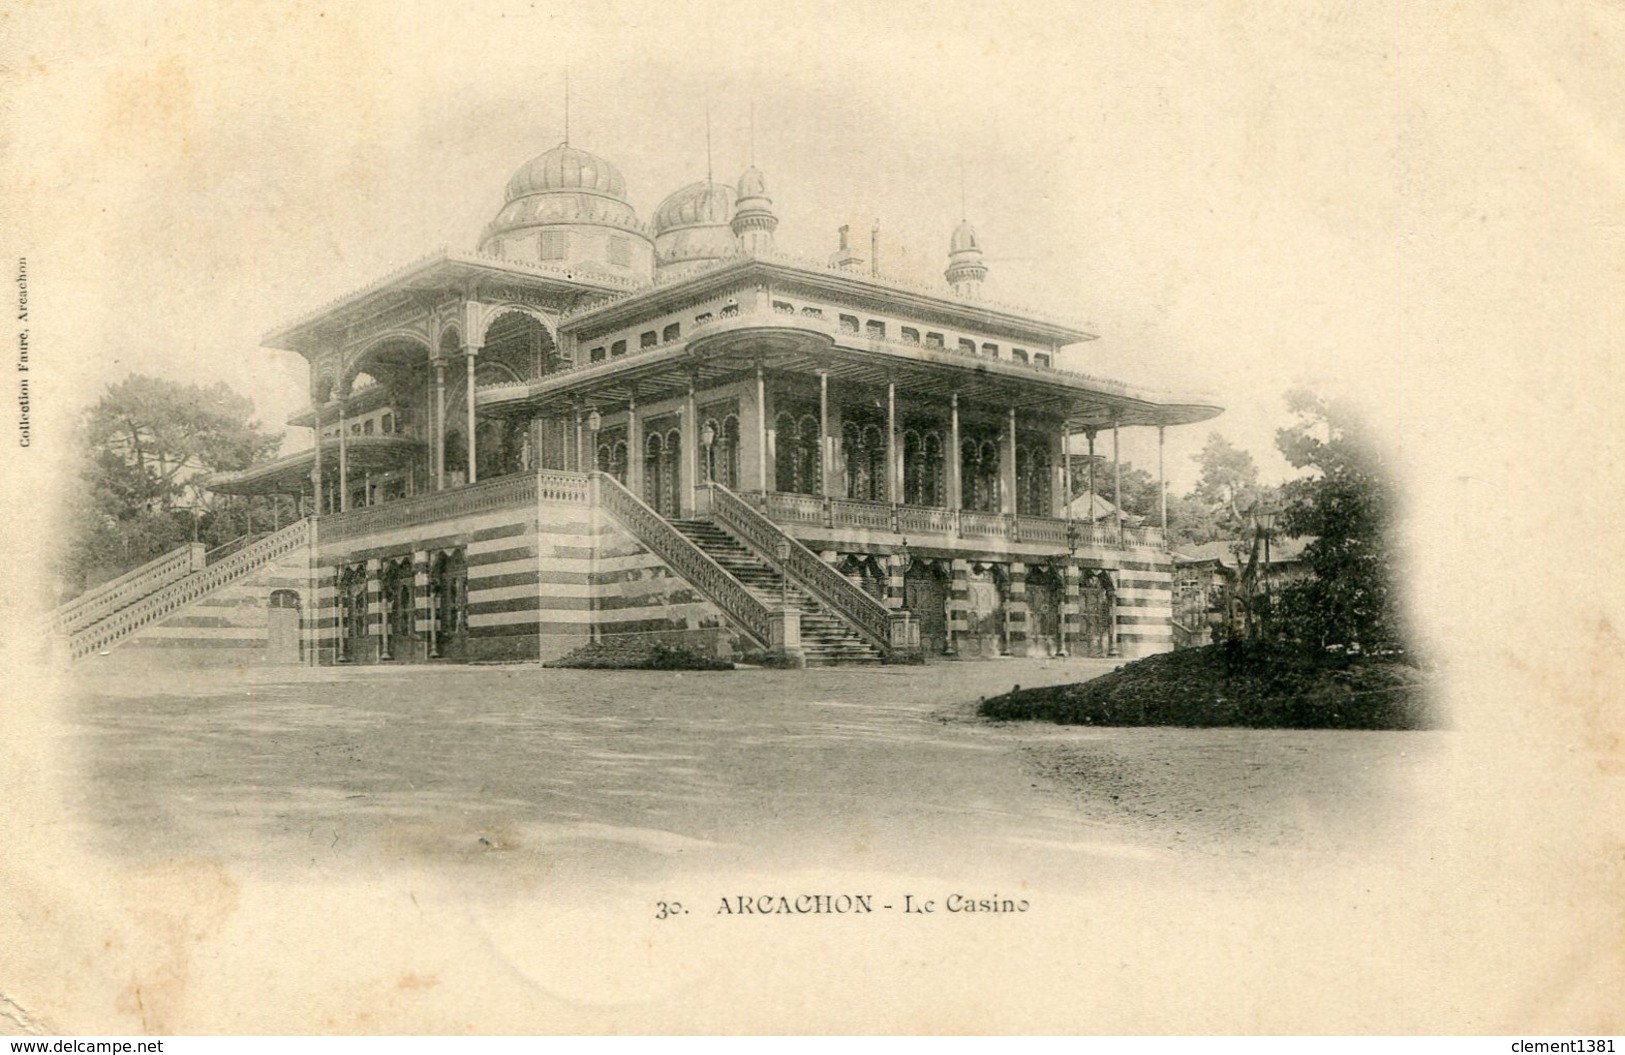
x: 154, y: 593
x: 825, y: 639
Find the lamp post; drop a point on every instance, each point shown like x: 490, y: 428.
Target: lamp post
x: 595, y: 421
x: 708, y: 436
x: 1073, y: 538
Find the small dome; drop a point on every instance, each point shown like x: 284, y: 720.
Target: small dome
x: 564, y: 168
x: 705, y: 203
x: 964, y: 239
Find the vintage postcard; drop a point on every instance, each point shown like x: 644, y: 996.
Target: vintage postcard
x: 777, y: 518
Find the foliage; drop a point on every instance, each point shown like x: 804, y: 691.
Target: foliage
x: 1347, y: 505
x: 144, y: 449
x: 1251, y: 684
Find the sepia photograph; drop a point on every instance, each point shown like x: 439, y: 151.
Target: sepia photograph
x: 927, y: 518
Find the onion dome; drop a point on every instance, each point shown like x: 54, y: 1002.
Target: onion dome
x: 692, y: 226
x: 965, y: 267
x: 754, y: 221
x: 564, y: 186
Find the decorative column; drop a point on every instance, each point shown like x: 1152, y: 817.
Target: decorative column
x: 1069, y: 606
x: 1117, y: 482
x: 1007, y: 473
x: 896, y: 569
x: 894, y: 466
x: 316, y: 472
x: 1090, y: 434
x: 691, y: 453
x: 825, y: 466
x: 1015, y: 611
x: 955, y: 467
x: 422, y: 605
x: 761, y: 430
x: 375, y: 625
x: 344, y: 459
x: 634, y: 445
x: 581, y: 451
x: 439, y: 424
x: 1065, y: 483
x: 470, y: 356
x: 958, y: 602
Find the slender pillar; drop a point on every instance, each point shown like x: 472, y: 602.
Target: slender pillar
x: 761, y: 430
x: 316, y: 471
x: 1117, y: 480
x: 955, y: 466
x: 691, y: 451
x: 1009, y: 466
x: 824, y: 459
x: 1162, y: 485
x: 470, y: 354
x: 439, y: 424
x: 894, y: 465
x: 1090, y: 433
x: 634, y: 444
x: 1066, y: 470
x: 581, y: 450
x: 344, y: 460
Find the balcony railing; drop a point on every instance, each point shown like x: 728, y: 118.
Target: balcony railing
x: 166, y: 601
x: 858, y: 515
x: 552, y: 485
x: 101, y: 601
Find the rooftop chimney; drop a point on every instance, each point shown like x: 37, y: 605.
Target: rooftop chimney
x: 844, y: 257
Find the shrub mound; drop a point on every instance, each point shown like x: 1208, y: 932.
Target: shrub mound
x: 636, y: 655
x: 1250, y: 685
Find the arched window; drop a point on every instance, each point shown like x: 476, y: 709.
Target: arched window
x: 796, y: 462
x: 722, y: 460
x: 979, y: 473
x: 1033, y: 480
x: 924, y: 471
x: 670, y: 333
x: 612, y: 457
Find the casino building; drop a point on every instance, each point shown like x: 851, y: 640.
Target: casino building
x: 593, y: 428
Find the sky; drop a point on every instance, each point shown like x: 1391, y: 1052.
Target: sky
x: 1418, y: 207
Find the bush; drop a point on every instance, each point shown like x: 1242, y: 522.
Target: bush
x: 636, y: 655
x: 1250, y: 684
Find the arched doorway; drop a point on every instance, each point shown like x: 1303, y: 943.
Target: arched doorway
x: 866, y: 573
x: 352, y: 598
x: 448, y: 601
x: 1094, y: 615
x: 661, y: 470
x: 986, y: 587
x: 925, y: 594
x: 395, y: 581
x: 1044, y: 594
x: 282, y: 627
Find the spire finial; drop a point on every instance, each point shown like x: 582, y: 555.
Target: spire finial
x: 708, y: 137
x: 753, y: 133
x: 566, y: 106
x: 963, y: 212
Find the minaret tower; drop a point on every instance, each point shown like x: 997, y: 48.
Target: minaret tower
x: 965, y: 268
x: 754, y: 220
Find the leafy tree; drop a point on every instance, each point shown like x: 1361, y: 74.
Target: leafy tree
x: 1347, y: 504
x: 145, y: 447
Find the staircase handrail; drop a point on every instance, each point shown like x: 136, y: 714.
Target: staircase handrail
x: 76, y: 614
x: 804, y: 567
x: 687, y: 559
x: 179, y: 594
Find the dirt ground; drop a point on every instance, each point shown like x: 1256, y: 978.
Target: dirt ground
x: 583, y: 775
